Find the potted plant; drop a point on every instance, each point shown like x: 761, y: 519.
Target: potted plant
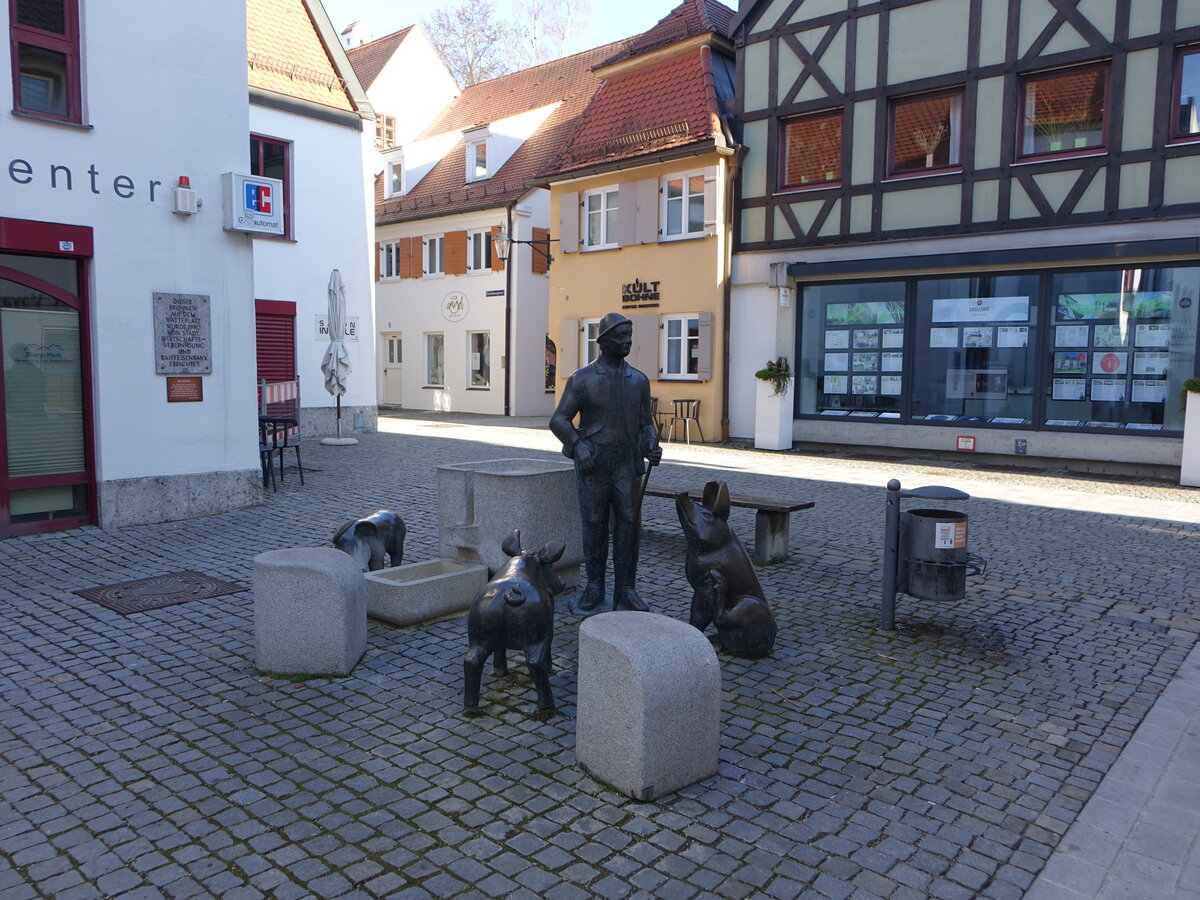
x: 1055, y: 120
x: 777, y: 373
x: 929, y: 139
x: 1189, y: 466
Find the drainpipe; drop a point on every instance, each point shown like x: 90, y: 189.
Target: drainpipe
x: 727, y: 298
x: 508, y: 282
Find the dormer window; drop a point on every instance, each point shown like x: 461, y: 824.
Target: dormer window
x: 394, y: 178
x: 477, y: 154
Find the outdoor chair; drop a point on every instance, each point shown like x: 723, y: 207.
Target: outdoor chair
x: 274, y: 439
x: 687, y: 412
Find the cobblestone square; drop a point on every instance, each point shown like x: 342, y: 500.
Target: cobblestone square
x: 144, y: 756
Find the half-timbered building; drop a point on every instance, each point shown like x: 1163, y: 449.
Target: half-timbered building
x: 969, y: 225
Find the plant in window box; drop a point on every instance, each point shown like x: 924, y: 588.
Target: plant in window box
x: 776, y: 373
x: 1070, y: 116
x: 929, y: 139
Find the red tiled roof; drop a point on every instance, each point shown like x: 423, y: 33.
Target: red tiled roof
x: 569, y: 81
x: 286, y: 55
x: 661, y: 106
x: 369, y: 59
x: 688, y: 19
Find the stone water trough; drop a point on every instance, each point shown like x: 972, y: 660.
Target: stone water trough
x: 424, y: 591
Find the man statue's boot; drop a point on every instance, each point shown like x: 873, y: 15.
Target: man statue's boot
x: 629, y: 599
x: 624, y: 596
x: 593, y: 591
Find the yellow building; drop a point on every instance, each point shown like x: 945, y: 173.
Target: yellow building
x: 641, y: 197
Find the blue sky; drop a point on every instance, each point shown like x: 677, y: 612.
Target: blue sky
x: 610, y: 20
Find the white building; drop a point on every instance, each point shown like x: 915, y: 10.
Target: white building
x: 114, y: 414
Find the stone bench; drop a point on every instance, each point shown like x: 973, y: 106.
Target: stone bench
x: 649, y: 703
x: 310, y: 612
x: 772, y: 522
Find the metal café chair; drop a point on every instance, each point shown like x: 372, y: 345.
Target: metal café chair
x: 274, y: 440
x: 687, y: 412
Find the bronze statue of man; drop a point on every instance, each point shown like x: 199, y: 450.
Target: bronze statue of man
x: 615, y: 436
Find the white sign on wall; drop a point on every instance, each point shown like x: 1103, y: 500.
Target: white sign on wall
x: 350, y: 333
x: 252, y: 203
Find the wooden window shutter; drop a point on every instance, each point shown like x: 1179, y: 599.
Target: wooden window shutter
x: 456, y: 253
x: 404, y: 251
x: 568, y: 346
x: 647, y: 210
x: 627, y: 214
x: 541, y: 246
x: 497, y: 262
x: 704, y: 363
x: 710, y: 199
x: 378, y: 254
x: 644, y: 354
x: 568, y: 222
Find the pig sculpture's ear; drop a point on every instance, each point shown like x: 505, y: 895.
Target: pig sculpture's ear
x: 720, y: 505
x: 552, y: 552
x: 338, y: 536
x: 512, y: 544
x: 366, y: 526
x: 710, y: 494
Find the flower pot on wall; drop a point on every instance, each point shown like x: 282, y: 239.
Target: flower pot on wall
x: 1080, y: 142
x: 1189, y: 464
x: 929, y: 160
x: 1055, y: 146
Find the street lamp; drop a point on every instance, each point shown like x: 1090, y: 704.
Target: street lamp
x: 504, y: 245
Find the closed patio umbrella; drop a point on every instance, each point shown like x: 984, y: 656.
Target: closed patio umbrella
x: 336, y: 362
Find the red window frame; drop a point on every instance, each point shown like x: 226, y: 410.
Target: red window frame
x: 1103, y: 69
x: 834, y: 116
x: 953, y: 142
x: 1181, y: 54
x: 66, y: 43
x: 258, y: 145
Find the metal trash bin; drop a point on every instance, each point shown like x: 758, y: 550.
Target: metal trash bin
x: 933, y: 554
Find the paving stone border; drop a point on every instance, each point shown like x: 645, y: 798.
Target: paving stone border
x: 144, y: 757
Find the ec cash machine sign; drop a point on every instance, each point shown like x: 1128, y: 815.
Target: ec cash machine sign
x: 252, y: 203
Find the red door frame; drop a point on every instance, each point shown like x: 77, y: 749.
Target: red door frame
x: 64, y: 242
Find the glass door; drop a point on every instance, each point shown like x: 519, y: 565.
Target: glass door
x: 45, y: 478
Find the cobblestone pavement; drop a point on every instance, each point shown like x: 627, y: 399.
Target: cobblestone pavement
x: 143, y: 756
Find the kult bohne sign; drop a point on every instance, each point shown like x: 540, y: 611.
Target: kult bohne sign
x: 640, y: 294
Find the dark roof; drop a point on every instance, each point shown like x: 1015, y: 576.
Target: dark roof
x: 444, y: 191
x: 688, y: 19
x: 369, y: 59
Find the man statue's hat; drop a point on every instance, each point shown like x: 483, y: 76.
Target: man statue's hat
x: 609, y: 322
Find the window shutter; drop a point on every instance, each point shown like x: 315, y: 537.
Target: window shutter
x: 568, y: 222
x: 710, y: 199
x: 404, y: 251
x: 644, y: 355
x: 647, y: 211
x: 497, y: 262
x: 704, y: 364
x: 568, y: 346
x: 378, y: 255
x: 456, y: 253
x: 541, y: 246
x: 627, y: 214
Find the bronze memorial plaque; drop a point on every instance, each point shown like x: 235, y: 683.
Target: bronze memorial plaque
x: 186, y: 389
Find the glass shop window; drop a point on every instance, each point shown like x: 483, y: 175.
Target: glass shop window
x: 852, y: 350
x: 1123, y: 343
x: 974, y: 359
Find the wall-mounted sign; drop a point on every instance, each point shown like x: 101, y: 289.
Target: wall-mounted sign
x: 499, y: 292
x: 252, y: 204
x: 187, y: 389
x: 454, y: 306
x: 182, y: 334
x: 349, y: 333
x: 640, y: 294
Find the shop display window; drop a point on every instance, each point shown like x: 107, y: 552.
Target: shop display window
x: 1121, y: 345
x: 852, y: 356
x: 974, y: 356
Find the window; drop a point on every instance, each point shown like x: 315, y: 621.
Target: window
x: 477, y: 160
x: 434, y: 256
x: 683, y: 205
x: 1187, y: 80
x: 681, y: 346
x: 269, y: 158
x: 1063, y: 112
x: 925, y: 133
x: 479, y: 351
x: 389, y: 260
x: 385, y: 131
x: 590, y: 329
x: 812, y: 151
x: 551, y: 364
x: 435, y: 372
x: 479, y: 251
x: 45, y: 41
x: 600, y: 218
x: 394, y: 184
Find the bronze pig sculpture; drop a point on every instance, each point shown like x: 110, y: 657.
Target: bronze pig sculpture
x: 368, y: 538
x: 725, y: 588
x: 515, y: 611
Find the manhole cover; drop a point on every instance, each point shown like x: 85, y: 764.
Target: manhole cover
x: 161, y: 590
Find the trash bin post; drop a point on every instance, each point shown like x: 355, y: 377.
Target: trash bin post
x: 891, y: 555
